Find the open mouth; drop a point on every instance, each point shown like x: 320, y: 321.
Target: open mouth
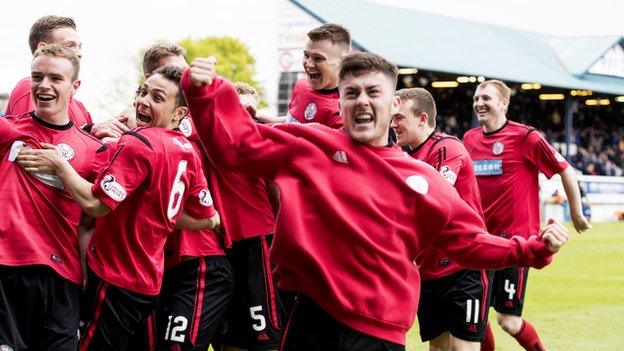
x: 45, y: 97
x: 363, y: 118
x: 143, y: 118
x: 314, y: 76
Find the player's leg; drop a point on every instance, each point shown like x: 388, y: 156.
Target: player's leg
x: 11, y: 283
x: 433, y: 316
x: 510, y: 290
x: 59, y: 330
x: 468, y: 301
x: 198, y: 304
x: 263, y: 312
x: 113, y: 316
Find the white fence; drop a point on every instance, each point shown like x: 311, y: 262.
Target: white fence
x: 605, y: 195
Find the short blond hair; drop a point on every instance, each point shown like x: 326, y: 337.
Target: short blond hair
x: 502, y: 88
x: 62, y: 51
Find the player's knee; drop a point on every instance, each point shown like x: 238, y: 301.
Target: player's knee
x: 510, y: 324
x: 458, y: 344
x: 440, y: 343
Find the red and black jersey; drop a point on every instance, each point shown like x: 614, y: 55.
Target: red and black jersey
x: 40, y: 220
x: 241, y: 199
x: 189, y: 243
x: 308, y: 105
x: 449, y: 157
x: 21, y: 101
x: 506, y: 163
x: 153, y: 175
x: 355, y: 216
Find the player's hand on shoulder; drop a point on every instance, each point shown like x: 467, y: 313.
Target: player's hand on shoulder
x: 45, y: 160
x: 554, y: 235
x: 581, y: 223
x: 203, y: 70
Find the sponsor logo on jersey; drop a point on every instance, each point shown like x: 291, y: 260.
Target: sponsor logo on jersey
x: 498, y: 148
x: 291, y: 119
x: 418, y: 183
x: 56, y: 258
x: 113, y: 189
x: 310, y: 111
x: 15, y: 149
x: 340, y: 156
x: 488, y: 167
x: 205, y: 199
x: 186, y: 127
x: 66, y: 151
x: 448, y: 174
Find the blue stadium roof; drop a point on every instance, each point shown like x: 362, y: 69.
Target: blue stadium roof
x: 444, y: 44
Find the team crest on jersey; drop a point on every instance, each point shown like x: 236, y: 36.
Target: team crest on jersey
x: 310, y: 111
x: 498, y: 148
x: 418, y: 183
x: 112, y: 188
x: 448, y: 174
x: 186, y: 127
x: 205, y: 199
x: 66, y: 151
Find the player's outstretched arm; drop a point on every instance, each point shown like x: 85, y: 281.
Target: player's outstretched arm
x: 230, y: 136
x: 185, y: 221
x: 465, y: 240
x: 48, y: 160
x: 570, y: 185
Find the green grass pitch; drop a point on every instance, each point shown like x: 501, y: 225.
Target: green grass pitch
x: 576, y: 303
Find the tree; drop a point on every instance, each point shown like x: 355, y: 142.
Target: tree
x: 234, y: 60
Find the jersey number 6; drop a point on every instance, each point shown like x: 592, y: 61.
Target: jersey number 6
x: 177, y: 191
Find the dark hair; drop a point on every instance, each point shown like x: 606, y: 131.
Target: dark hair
x: 335, y: 33
x: 423, y: 102
x: 357, y: 63
x: 58, y: 50
x: 173, y: 74
x: 41, y: 30
x: 159, y: 51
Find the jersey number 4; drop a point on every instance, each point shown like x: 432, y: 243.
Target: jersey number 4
x: 177, y: 191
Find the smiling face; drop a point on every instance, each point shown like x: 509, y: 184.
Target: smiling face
x: 321, y: 62
x: 157, y: 103
x: 490, y: 107
x: 52, y: 84
x: 367, y: 104
x: 410, y: 128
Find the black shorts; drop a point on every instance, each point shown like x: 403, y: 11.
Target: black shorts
x: 254, y: 319
x: 310, y: 328
x: 39, y: 309
x: 508, y: 289
x: 193, y: 302
x: 457, y: 303
x: 112, y: 316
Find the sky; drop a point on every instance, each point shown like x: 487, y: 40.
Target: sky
x: 113, y: 32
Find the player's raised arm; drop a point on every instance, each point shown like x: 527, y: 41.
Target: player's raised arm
x: 224, y: 126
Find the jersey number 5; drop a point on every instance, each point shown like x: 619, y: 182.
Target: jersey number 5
x: 177, y: 191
